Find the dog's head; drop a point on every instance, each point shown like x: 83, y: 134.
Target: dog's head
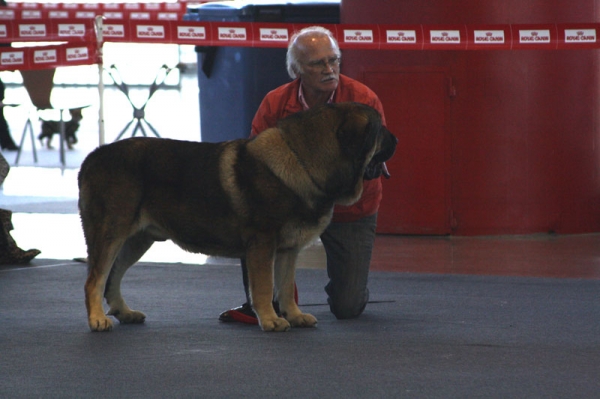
x: 76, y: 114
x: 364, y: 139
x: 336, y: 144
x: 362, y: 136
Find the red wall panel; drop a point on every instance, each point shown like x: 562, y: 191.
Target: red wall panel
x: 417, y: 197
x: 523, y: 124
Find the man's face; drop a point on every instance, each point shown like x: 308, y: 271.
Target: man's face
x: 320, y: 64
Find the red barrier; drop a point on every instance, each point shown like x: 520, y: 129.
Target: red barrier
x: 369, y: 37
x: 25, y: 58
x: 41, y: 14
x: 157, y: 6
x: 162, y: 23
x: 140, y: 28
x: 67, y: 30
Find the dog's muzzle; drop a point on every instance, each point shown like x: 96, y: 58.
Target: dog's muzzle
x: 377, y: 166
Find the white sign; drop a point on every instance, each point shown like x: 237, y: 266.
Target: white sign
x: 232, y: 33
x: 77, y: 53
x: 489, y: 37
x: 69, y: 30
x: 445, y: 36
x: 33, y: 30
x: 580, y: 35
x: 12, y: 58
x: 113, y: 30
x: 534, y: 36
x: 358, y: 36
x: 273, y: 35
x: 191, y: 32
x: 401, y: 36
x: 44, y: 56
x: 140, y: 15
x: 151, y: 31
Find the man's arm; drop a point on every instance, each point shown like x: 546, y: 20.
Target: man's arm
x: 266, y: 116
x: 259, y: 122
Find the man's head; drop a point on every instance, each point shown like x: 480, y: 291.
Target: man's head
x: 314, y: 56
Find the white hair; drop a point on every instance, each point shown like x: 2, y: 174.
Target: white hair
x: 294, y: 67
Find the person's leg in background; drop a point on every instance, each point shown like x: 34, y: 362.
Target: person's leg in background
x: 6, y: 140
x: 10, y: 253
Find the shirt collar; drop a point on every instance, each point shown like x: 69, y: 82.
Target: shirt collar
x: 303, y: 100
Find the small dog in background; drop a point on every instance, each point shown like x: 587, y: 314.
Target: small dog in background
x: 49, y: 128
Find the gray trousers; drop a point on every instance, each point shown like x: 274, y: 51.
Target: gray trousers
x: 348, y: 247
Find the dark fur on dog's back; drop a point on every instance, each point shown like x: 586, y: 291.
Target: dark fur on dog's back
x: 262, y: 199
x: 184, y: 184
x: 124, y: 162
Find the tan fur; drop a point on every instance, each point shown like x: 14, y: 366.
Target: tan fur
x: 261, y: 199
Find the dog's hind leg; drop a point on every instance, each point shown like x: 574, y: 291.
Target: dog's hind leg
x: 133, y: 249
x: 100, y: 260
x: 285, y: 271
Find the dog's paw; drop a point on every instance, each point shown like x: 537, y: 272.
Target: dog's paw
x: 303, y: 320
x: 277, y: 324
x: 102, y: 323
x: 128, y: 317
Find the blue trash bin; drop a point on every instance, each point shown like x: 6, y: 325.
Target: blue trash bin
x: 234, y: 80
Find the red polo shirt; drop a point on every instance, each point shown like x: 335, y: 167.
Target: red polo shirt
x: 284, y: 101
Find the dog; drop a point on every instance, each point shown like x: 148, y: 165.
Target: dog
x: 49, y: 128
x: 262, y: 199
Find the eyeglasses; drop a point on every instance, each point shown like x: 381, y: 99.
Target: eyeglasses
x: 325, y: 64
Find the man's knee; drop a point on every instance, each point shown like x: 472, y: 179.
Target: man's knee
x: 347, y: 306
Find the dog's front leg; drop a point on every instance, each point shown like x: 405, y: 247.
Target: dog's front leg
x: 285, y: 276
x: 260, y: 258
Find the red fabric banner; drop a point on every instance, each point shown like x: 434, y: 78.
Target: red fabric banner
x: 161, y: 23
x: 371, y: 37
x: 63, y: 30
x: 42, y: 57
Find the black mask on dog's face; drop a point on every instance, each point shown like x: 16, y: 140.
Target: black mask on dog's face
x: 373, y: 171
x: 377, y: 166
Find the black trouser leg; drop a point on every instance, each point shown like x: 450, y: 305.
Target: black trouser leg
x: 247, y: 285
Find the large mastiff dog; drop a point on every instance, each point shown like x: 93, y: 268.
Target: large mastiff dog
x: 262, y: 199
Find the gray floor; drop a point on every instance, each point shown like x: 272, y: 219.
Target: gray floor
x: 424, y: 336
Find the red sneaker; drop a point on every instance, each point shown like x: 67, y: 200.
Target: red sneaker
x: 245, y: 314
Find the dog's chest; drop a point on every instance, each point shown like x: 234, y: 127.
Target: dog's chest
x: 299, y: 235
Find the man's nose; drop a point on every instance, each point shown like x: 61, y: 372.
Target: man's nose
x: 328, y: 68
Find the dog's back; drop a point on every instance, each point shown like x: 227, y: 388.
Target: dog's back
x: 155, y: 184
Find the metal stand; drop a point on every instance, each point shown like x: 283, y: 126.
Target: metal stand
x: 28, y: 126
x: 139, y: 114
